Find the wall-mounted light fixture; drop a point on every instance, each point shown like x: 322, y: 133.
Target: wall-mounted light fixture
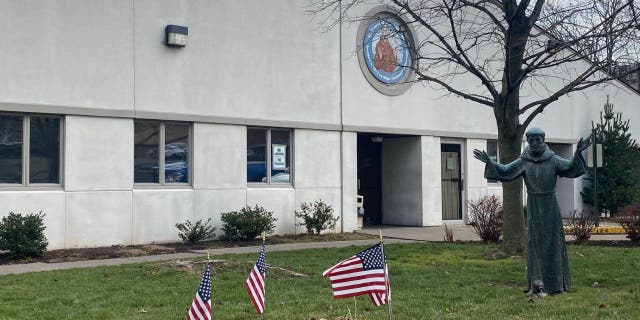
x: 176, y: 36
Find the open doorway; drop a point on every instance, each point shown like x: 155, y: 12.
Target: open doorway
x: 390, y: 179
x: 370, y: 176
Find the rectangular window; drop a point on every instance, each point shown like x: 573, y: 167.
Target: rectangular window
x: 492, y: 151
x: 30, y: 149
x: 269, y: 155
x: 162, y: 152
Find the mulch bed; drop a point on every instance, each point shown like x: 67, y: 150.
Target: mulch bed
x: 81, y: 254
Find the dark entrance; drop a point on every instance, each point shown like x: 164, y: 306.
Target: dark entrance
x: 451, y: 182
x: 370, y: 177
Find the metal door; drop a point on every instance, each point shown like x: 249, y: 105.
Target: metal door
x: 451, y: 182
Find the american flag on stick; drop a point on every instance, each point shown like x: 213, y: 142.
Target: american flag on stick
x: 256, y: 281
x: 201, y: 305
x: 364, y: 273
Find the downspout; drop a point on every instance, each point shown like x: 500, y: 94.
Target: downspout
x: 342, y: 209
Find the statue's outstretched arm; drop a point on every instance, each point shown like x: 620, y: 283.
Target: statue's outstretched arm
x: 481, y: 155
x: 583, y: 144
x: 496, y: 171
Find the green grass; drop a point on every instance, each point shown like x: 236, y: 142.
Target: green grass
x: 429, y: 281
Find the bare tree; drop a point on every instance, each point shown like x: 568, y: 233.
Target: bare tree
x: 618, y: 46
x: 502, y: 45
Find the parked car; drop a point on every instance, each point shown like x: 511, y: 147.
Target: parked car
x: 176, y: 150
x: 278, y: 177
x: 176, y: 172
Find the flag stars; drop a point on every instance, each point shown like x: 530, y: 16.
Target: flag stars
x: 372, y: 258
x: 205, y: 285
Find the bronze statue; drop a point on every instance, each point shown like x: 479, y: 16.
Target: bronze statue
x: 547, y: 259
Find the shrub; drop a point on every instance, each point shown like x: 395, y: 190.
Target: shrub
x: 191, y: 233
x: 629, y: 219
x: 317, y: 216
x: 485, y: 215
x: 582, y: 225
x: 248, y: 223
x: 23, y: 236
x: 448, y: 234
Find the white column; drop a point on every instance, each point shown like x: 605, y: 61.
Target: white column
x: 431, y: 184
x: 349, y: 220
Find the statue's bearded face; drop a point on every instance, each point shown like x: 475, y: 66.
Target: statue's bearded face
x: 536, y: 145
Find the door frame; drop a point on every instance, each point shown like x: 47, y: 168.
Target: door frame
x: 463, y: 176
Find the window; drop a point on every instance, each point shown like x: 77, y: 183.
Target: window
x: 162, y: 152
x: 492, y: 151
x: 269, y: 165
x: 30, y: 149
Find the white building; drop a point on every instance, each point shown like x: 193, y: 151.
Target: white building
x: 117, y: 136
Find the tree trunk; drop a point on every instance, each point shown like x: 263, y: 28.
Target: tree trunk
x: 514, y: 236
x: 510, y: 133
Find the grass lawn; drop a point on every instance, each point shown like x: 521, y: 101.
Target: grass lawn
x: 429, y: 281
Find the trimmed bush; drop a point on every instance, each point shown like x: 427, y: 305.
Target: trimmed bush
x: 485, y: 215
x: 317, y: 216
x: 23, y: 236
x: 248, y: 223
x: 582, y: 225
x: 190, y: 233
x: 629, y: 219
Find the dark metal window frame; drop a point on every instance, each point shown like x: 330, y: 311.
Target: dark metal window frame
x: 26, y: 144
x: 161, y: 163
x: 268, y: 159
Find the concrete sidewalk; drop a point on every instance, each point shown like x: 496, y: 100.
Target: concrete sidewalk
x: 392, y: 234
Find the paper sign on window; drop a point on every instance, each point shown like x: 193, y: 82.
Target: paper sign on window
x: 450, y: 163
x: 279, y: 157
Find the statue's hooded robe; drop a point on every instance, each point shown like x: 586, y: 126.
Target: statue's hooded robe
x: 547, y: 252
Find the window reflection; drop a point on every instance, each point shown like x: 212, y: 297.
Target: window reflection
x: 11, y: 149
x: 280, y: 159
x: 44, y: 150
x: 176, y: 153
x: 256, y: 155
x: 146, y: 152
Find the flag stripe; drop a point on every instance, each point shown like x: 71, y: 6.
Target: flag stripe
x: 361, y: 274
x: 193, y: 314
x: 362, y: 290
x: 201, y: 305
x: 254, y: 300
x: 349, y: 286
x: 347, y: 262
x: 371, y: 275
x: 255, y: 283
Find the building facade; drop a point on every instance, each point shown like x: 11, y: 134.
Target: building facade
x: 631, y: 78
x: 116, y: 136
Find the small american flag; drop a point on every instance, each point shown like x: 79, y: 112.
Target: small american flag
x: 201, y: 305
x: 255, y: 283
x: 361, y: 274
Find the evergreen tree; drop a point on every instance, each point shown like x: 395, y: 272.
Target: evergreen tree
x: 617, y: 184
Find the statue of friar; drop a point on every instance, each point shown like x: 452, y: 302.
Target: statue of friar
x: 547, y: 261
